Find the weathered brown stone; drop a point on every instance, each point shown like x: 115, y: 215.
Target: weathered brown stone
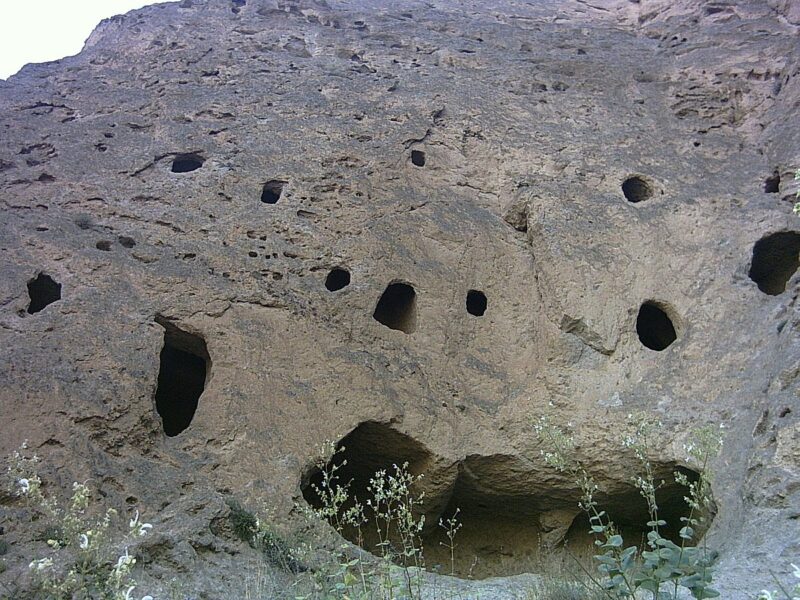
x: 456, y: 147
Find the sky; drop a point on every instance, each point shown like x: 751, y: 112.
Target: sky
x: 33, y: 31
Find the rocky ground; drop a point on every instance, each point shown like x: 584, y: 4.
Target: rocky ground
x: 231, y: 231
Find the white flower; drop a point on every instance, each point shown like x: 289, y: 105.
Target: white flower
x: 25, y: 486
x: 84, y: 541
x: 139, y: 528
x: 41, y: 565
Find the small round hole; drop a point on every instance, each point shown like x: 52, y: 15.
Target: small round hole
x: 418, y: 158
x: 337, y: 279
x: 636, y: 189
x: 272, y: 191
x: 103, y: 245
x: 654, y: 327
x: 476, y: 303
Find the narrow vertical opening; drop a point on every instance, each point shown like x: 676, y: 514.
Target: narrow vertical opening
x: 183, y: 371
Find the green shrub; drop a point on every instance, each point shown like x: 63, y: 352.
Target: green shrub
x: 661, y: 567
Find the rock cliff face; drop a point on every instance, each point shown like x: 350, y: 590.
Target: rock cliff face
x: 232, y: 230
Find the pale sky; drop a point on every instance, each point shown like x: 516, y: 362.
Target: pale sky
x: 33, y: 31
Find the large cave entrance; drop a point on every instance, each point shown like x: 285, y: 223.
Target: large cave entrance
x: 515, y: 516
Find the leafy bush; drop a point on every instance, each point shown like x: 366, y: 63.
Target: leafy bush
x: 88, y: 559
x: 662, y: 567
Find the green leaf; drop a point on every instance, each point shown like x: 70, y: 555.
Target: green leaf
x: 615, y: 541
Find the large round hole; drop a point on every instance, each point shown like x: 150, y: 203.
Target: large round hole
x: 337, y: 279
x: 636, y: 189
x: 654, y: 327
x: 397, y: 308
x: 184, y: 163
x: 775, y: 259
x: 272, y: 190
x: 476, y: 303
x: 418, y: 158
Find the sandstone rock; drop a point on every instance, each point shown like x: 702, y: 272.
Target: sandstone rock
x: 177, y: 198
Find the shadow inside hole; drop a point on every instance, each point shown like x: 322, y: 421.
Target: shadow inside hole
x: 43, y: 290
x: 184, y: 366
x: 397, y: 308
x: 337, y: 279
x: 772, y: 184
x: 635, y: 189
x: 513, y: 520
x: 654, y: 327
x: 776, y: 258
x: 476, y: 303
x: 272, y: 191
x: 418, y: 158
x: 185, y: 163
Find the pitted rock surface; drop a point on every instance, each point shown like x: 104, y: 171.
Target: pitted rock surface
x: 600, y: 171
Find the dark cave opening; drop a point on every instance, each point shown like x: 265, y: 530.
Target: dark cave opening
x: 418, y: 158
x: 654, y: 327
x: 776, y: 257
x: 185, y: 163
x: 772, y: 184
x: 272, y: 191
x: 476, y: 303
x: 43, y: 290
x: 635, y: 189
x: 513, y: 518
x: 183, y: 371
x: 337, y: 279
x: 397, y: 308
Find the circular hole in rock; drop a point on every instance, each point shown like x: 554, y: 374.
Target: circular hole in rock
x: 43, y: 290
x: 636, y: 189
x: 476, y: 303
x: 772, y: 184
x: 337, y: 279
x: 185, y: 163
x: 775, y: 260
x: 272, y: 190
x: 103, y: 245
x: 418, y: 158
x: 126, y: 242
x: 397, y: 308
x: 654, y: 327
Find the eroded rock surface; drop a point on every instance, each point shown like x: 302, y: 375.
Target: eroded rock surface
x: 289, y: 204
